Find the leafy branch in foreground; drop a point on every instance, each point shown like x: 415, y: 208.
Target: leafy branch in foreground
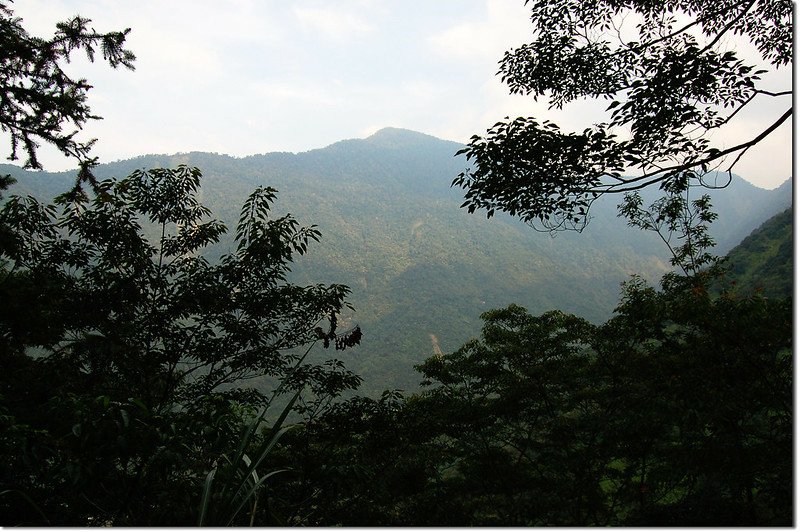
x: 680, y: 222
x: 669, y: 90
x: 39, y: 101
x: 131, y: 356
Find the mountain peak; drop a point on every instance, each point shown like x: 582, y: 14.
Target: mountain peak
x: 396, y: 132
x: 395, y: 136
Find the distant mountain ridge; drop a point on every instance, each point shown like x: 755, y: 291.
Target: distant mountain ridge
x: 422, y: 270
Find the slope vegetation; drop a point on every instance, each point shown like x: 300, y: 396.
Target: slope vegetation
x: 421, y: 268
x: 763, y: 261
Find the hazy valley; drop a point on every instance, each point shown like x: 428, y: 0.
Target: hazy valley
x: 422, y: 270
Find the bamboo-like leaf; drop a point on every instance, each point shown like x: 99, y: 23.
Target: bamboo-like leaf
x: 206, y: 496
x: 251, y: 493
x: 269, y: 443
x: 250, y: 476
x: 240, y: 452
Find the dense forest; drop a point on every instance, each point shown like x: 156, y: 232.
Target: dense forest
x: 421, y: 269
x: 179, y: 350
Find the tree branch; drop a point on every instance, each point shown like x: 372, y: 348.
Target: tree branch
x: 699, y: 20
x: 727, y: 27
x: 678, y: 168
x: 768, y: 93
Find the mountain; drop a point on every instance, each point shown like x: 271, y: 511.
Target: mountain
x: 763, y: 261
x: 421, y: 269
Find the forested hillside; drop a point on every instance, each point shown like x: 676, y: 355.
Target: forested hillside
x: 161, y: 367
x: 763, y: 261
x: 422, y: 270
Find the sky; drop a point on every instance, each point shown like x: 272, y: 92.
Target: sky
x: 243, y: 77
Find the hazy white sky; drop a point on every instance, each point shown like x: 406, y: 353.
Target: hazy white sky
x: 253, y: 76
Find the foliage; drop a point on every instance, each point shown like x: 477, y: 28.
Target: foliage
x: 676, y: 217
x: 126, y: 359
x: 126, y: 356
x: 670, y: 89
x: 703, y: 383
x: 676, y: 412
x: 363, y: 462
x: 763, y: 261
x: 244, y: 481
x: 618, y: 425
x: 39, y: 101
x: 525, y: 440
x: 416, y: 263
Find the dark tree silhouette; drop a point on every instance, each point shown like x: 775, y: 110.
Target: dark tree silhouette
x: 39, y: 101
x: 669, y: 89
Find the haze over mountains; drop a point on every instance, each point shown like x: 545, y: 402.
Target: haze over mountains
x: 421, y: 269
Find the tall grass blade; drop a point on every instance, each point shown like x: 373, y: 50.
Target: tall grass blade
x: 251, y: 493
x: 277, y: 431
x: 206, y: 496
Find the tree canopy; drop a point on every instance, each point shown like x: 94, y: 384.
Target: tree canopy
x: 110, y: 313
x: 675, y: 412
x: 39, y: 101
x: 670, y: 81
x: 127, y: 358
